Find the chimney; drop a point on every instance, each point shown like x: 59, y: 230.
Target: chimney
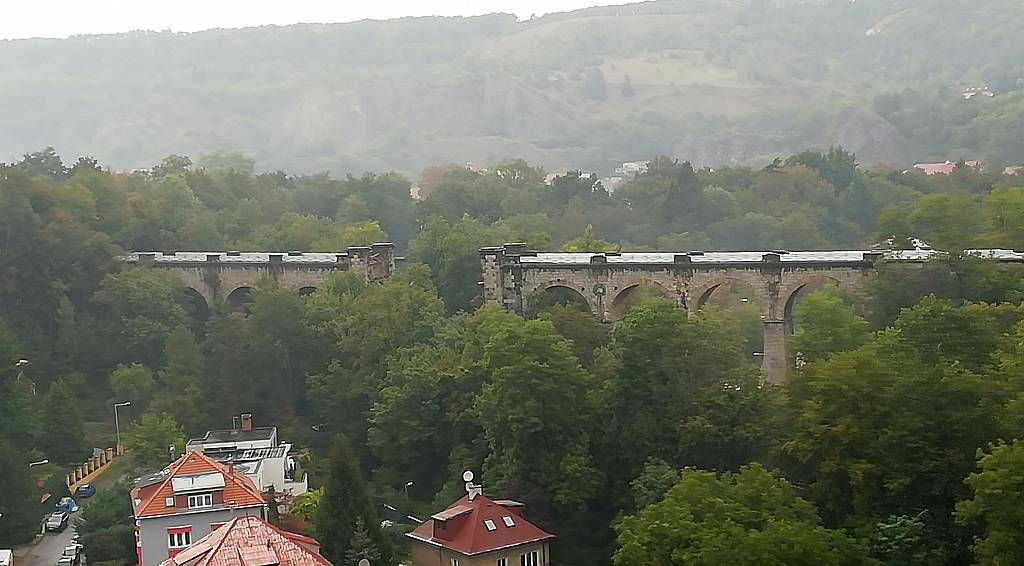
x: 246, y: 422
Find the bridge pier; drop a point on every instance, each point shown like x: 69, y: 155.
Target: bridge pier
x: 774, y: 364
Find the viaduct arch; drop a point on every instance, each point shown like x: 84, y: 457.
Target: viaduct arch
x: 511, y: 273
x: 227, y: 276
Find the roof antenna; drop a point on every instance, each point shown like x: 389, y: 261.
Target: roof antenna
x: 472, y: 489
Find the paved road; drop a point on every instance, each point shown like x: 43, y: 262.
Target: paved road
x: 48, y: 550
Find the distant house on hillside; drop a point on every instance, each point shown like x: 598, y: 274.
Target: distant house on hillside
x: 1014, y: 170
x: 947, y: 168
x: 250, y: 541
x: 632, y: 168
x: 549, y: 179
x: 478, y: 531
x: 970, y: 92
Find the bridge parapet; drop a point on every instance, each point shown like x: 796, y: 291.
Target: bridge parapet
x: 219, y: 275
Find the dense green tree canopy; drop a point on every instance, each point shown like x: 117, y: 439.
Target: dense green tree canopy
x: 750, y: 517
x: 584, y: 421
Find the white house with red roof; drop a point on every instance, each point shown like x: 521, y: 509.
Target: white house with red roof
x: 250, y: 541
x: 478, y: 531
x: 186, y: 501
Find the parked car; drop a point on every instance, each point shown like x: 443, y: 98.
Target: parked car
x: 74, y: 552
x: 66, y: 505
x: 85, y: 490
x: 57, y: 521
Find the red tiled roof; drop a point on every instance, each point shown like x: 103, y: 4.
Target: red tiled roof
x: 945, y: 168
x: 249, y: 541
x: 237, y: 487
x: 467, y: 533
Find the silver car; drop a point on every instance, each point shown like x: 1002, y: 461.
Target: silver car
x: 57, y: 521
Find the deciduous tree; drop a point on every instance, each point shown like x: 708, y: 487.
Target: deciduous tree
x: 750, y: 518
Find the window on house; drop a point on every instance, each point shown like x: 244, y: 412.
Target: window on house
x: 490, y: 525
x: 508, y: 521
x: 179, y: 539
x: 455, y: 562
x: 203, y: 500
x: 529, y: 559
x: 503, y: 561
x: 169, y: 501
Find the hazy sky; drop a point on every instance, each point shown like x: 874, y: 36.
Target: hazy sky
x: 61, y: 18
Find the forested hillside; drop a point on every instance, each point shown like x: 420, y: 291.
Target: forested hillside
x: 713, y: 81
x: 867, y: 455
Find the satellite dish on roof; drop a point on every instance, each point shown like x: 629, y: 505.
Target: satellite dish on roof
x: 471, y: 488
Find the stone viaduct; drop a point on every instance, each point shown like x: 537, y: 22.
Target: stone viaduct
x: 230, y: 276
x: 607, y: 281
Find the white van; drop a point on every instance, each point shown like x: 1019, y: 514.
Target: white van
x: 6, y: 557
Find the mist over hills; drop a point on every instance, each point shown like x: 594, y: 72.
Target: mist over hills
x: 712, y: 81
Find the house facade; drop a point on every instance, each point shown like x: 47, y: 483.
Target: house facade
x: 478, y: 531
x: 186, y: 501
x: 256, y: 452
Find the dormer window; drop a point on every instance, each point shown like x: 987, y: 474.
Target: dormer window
x: 201, y: 500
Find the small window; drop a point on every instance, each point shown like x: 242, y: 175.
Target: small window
x: 490, y: 525
x: 169, y: 501
x: 508, y: 521
x: 503, y: 561
x: 529, y: 559
x: 455, y: 562
x: 179, y: 540
x: 204, y: 500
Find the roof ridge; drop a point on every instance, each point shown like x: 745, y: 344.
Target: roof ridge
x: 220, y: 540
x: 176, y: 465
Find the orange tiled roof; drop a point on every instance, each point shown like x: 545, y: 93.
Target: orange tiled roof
x: 249, y: 541
x: 237, y: 487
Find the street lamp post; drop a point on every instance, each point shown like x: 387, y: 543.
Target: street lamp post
x: 408, y: 484
x: 117, y: 425
x: 20, y: 366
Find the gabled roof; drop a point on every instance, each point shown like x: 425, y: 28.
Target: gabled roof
x: 249, y: 541
x: 469, y: 527
x: 150, y: 497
